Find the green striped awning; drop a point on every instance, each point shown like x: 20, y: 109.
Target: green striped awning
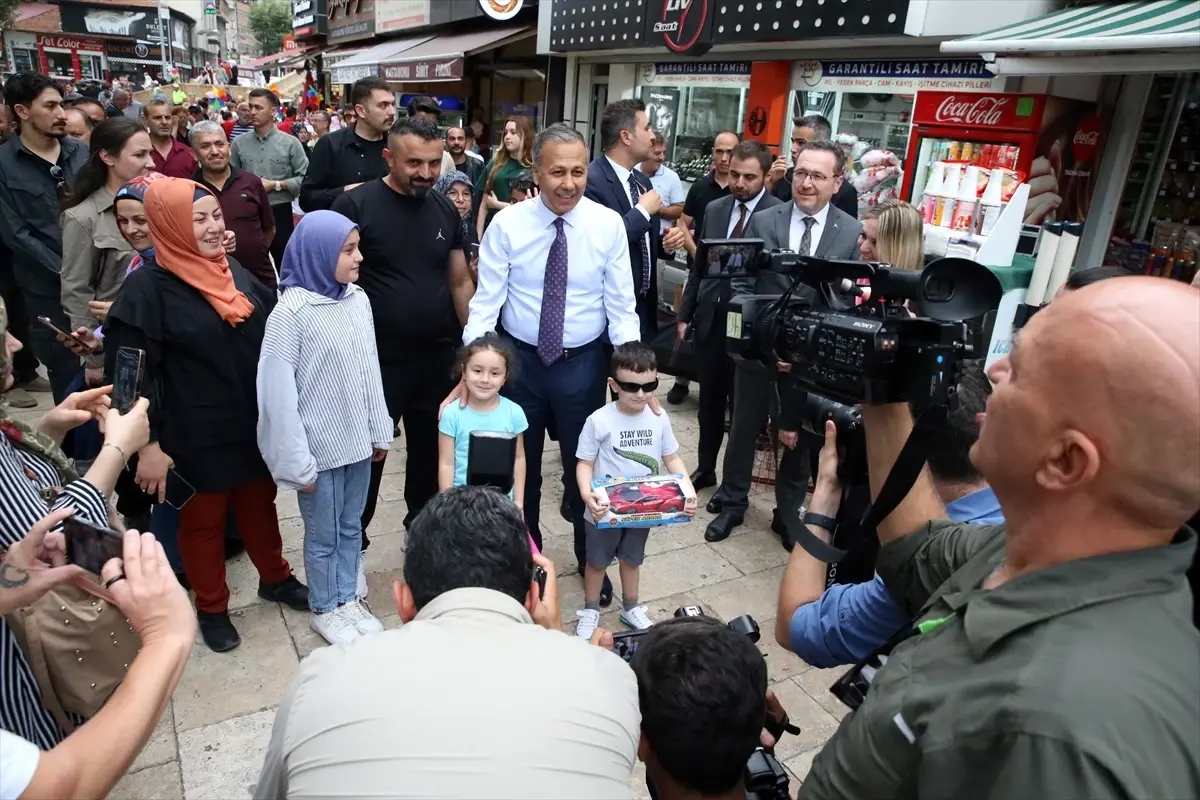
x: 1098, y: 27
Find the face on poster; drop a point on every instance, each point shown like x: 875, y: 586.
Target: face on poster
x: 662, y: 106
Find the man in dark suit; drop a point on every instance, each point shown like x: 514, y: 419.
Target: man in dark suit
x: 812, y: 128
x: 808, y: 224
x: 705, y: 302
x: 614, y: 181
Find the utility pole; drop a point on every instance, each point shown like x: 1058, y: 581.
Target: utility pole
x: 164, y: 27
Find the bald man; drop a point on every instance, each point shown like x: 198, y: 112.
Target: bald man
x: 1054, y: 657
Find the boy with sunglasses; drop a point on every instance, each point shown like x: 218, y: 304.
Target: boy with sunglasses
x: 624, y: 439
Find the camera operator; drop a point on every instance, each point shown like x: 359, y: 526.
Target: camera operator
x: 701, y: 689
x: 1054, y: 656
x: 807, y: 225
x: 478, y: 694
x: 830, y: 627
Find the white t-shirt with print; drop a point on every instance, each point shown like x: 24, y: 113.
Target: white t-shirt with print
x: 626, y: 445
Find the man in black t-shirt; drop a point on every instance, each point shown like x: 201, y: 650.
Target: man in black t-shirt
x: 415, y: 273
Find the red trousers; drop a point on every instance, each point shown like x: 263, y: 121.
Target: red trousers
x: 202, y: 539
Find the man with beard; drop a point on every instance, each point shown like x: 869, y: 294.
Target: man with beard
x: 240, y: 124
x: 414, y: 272
x: 347, y: 158
x: 813, y: 128
x: 464, y: 160
x: 171, y: 157
x: 242, y: 197
x: 36, y: 167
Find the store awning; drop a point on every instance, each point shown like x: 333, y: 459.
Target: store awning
x: 1104, y: 27
x: 440, y: 58
x: 365, y: 64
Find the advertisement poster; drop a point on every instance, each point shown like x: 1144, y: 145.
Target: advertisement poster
x: 662, y: 108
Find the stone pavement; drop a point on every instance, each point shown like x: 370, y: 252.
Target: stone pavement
x: 211, y: 740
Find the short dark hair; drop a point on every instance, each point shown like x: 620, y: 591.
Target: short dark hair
x: 1086, y: 277
x: 79, y: 101
x: 950, y: 445
x: 826, y: 146
x: 360, y: 92
x: 22, y: 88
x: 820, y: 125
x: 468, y: 537
x: 425, y: 129
x: 423, y: 105
x: 270, y: 96
x: 290, y: 111
x: 754, y: 150
x: 635, y: 357
x: 702, y: 693
x: 617, y: 117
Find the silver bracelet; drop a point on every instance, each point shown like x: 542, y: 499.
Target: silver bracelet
x: 124, y: 458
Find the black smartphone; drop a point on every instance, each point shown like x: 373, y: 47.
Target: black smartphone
x: 539, y: 577
x: 491, y: 459
x: 91, y: 547
x: 50, y: 324
x: 127, y: 379
x: 179, y: 491
x: 473, y: 250
x: 625, y: 643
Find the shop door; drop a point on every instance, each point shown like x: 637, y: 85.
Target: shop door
x: 599, y: 101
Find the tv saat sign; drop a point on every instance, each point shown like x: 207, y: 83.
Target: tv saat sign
x: 682, y: 26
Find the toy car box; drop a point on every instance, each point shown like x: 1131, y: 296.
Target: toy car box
x: 642, y: 502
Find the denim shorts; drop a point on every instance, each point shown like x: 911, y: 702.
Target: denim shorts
x: 605, y: 544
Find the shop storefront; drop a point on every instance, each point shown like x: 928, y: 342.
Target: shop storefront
x: 22, y: 51
x: 72, y: 57
x: 134, y: 58
x: 130, y: 30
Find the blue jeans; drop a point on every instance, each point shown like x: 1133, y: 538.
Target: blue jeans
x: 332, y: 516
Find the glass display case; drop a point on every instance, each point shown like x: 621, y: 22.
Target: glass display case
x: 689, y: 118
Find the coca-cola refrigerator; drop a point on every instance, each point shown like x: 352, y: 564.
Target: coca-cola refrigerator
x: 1053, y: 142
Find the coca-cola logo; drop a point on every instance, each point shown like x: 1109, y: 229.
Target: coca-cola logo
x: 986, y: 110
x: 1086, y: 141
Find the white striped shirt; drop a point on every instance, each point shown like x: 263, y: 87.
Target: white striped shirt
x: 22, y: 477
x: 320, y: 392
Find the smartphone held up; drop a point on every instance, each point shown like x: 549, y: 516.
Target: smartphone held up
x: 127, y: 380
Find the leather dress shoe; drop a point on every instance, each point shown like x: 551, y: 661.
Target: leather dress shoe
x: 564, y: 510
x: 676, y: 393
x: 714, y: 505
x: 606, y: 589
x: 217, y: 631
x: 778, y: 528
x: 719, y: 529
x: 704, y: 478
x: 291, y: 592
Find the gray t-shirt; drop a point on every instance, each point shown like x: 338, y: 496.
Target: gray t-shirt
x: 626, y: 445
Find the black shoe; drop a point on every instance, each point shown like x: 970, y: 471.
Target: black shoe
x: 728, y: 425
x: 234, y: 547
x: 564, y: 510
x: 714, y: 505
x: 292, y: 593
x: 778, y: 528
x: 218, y: 632
x: 719, y: 529
x: 606, y: 592
x: 677, y: 393
x: 703, y: 478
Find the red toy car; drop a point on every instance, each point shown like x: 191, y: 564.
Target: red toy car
x: 646, y: 498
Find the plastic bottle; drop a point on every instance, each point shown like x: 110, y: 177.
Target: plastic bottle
x: 933, y: 188
x: 1065, y: 257
x: 948, y: 197
x: 991, y: 202
x: 967, y: 201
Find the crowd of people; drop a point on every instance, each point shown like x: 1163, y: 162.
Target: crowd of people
x: 290, y: 305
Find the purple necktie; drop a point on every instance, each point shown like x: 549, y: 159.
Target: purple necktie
x: 554, y: 299
x: 635, y: 194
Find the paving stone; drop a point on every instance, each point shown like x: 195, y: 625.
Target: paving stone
x: 801, y: 764
x: 756, y: 595
x: 162, y: 746
x: 680, y: 570
x: 815, y: 723
x: 754, y: 550
x: 152, y: 783
x: 781, y: 663
x: 223, y: 760
x: 252, y: 677
x: 817, y: 682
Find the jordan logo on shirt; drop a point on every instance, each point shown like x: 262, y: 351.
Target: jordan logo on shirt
x: 439, y: 236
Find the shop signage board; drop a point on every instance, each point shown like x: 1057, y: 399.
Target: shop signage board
x: 131, y: 23
x: 427, y: 69
x: 897, y: 76
x: 340, y: 75
x: 60, y: 42
x: 695, y: 73
x: 350, y: 19
x: 682, y: 26
x: 400, y: 15
x: 136, y: 52
x: 309, y: 18
x: 501, y: 9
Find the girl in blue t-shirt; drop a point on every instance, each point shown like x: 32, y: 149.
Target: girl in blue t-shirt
x: 484, y: 365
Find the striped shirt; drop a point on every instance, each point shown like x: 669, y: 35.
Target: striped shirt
x: 320, y: 392
x: 22, y: 476
x: 239, y: 129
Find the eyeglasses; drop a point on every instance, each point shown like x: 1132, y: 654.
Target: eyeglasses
x: 57, y: 174
x: 634, y: 388
x: 802, y: 175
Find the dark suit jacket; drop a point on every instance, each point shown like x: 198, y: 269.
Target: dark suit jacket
x: 703, y: 299
x: 845, y: 198
x: 604, y: 188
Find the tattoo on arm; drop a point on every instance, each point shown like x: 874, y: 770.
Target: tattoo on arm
x: 12, y: 577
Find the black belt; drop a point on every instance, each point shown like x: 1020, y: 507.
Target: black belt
x: 567, y: 353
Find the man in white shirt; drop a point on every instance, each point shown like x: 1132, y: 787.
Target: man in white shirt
x: 556, y: 318
x: 665, y: 181
x: 478, y: 694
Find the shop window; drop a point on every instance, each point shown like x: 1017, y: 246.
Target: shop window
x: 689, y: 118
x: 25, y: 61
x: 91, y: 67
x: 60, y: 64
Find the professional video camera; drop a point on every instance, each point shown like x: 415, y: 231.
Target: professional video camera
x: 765, y: 778
x: 875, y: 352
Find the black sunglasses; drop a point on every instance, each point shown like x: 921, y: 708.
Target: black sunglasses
x: 57, y: 174
x: 632, y: 388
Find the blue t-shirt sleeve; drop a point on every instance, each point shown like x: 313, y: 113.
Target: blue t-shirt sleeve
x: 448, y: 424
x: 517, y: 421
x: 846, y: 624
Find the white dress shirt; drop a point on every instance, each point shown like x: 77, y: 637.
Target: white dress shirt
x: 623, y: 179
x: 750, y: 205
x: 512, y: 270
x: 796, y: 231
x: 666, y: 182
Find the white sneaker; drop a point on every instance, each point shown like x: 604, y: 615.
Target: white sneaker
x: 589, y: 620
x: 360, y: 589
x: 636, y: 618
x: 358, y: 616
x: 333, y: 627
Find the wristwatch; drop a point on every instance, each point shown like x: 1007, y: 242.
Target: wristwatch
x: 278, y: 186
x: 820, y: 520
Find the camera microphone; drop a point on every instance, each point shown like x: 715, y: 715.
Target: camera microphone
x: 848, y: 286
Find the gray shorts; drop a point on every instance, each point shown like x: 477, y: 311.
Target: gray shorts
x: 605, y: 544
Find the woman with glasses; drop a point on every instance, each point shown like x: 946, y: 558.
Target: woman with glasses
x: 456, y: 186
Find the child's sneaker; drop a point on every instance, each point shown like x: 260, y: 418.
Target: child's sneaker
x: 360, y: 589
x: 333, y: 627
x: 358, y: 616
x: 637, y: 618
x: 589, y: 620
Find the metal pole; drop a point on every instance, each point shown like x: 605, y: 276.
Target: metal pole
x: 164, y: 27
